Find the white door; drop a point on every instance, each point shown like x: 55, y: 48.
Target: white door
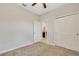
x: 76, y: 32
x: 66, y: 32
x: 63, y: 31
x: 37, y: 31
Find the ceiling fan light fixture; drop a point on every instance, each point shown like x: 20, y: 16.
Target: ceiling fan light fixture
x: 44, y: 4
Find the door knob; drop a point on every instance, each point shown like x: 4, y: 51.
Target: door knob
x: 77, y: 34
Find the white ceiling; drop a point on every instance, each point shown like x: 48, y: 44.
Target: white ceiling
x: 39, y: 9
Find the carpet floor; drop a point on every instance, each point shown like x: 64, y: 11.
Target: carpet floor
x: 41, y: 49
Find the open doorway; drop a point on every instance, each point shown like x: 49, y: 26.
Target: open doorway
x: 44, y: 33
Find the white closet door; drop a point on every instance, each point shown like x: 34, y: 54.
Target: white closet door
x: 76, y: 32
x: 64, y: 32
x: 37, y: 31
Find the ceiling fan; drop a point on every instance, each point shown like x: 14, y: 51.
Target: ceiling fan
x: 44, y: 4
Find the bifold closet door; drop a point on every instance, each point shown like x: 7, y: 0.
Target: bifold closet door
x: 66, y: 32
x: 76, y: 32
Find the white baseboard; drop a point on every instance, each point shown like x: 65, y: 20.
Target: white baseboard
x: 1, y: 52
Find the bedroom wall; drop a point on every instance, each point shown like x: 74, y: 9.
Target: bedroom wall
x: 16, y: 26
x: 51, y: 21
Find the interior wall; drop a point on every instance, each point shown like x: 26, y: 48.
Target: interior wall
x: 16, y: 26
x: 50, y: 19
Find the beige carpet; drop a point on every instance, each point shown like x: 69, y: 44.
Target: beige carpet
x: 41, y: 49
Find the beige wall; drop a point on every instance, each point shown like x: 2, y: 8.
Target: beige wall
x: 54, y: 25
x: 16, y: 26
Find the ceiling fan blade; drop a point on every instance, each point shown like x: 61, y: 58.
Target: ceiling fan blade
x: 24, y: 4
x: 44, y: 4
x: 34, y: 4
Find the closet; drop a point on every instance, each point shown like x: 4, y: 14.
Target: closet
x: 66, y: 31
